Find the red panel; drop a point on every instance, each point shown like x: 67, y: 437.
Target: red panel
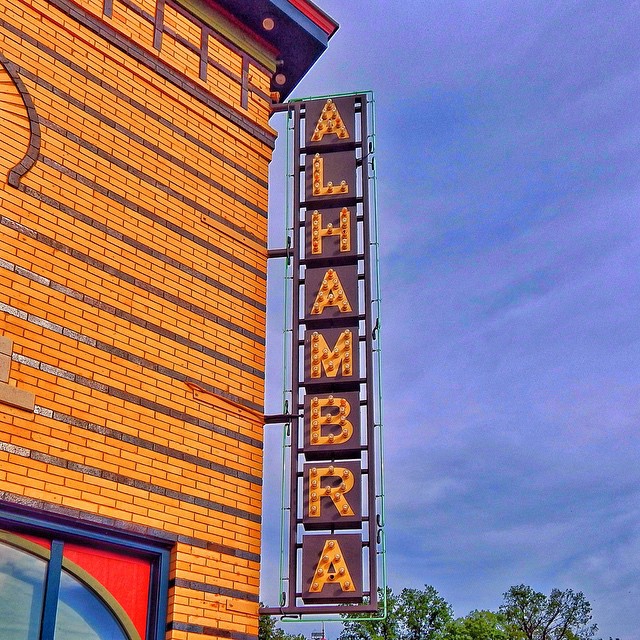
x: 41, y: 541
x: 126, y: 578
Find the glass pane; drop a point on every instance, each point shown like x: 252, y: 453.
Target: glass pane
x: 82, y: 615
x: 22, y: 577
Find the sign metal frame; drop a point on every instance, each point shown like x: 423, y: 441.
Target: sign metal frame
x: 348, y: 372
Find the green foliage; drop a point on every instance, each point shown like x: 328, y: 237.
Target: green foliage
x: 413, y: 615
x: 563, y: 615
x: 356, y: 628
x: 524, y: 615
x: 424, y: 614
x: 267, y: 630
x: 478, y: 625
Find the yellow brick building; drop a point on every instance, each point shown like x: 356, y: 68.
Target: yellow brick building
x: 134, y: 148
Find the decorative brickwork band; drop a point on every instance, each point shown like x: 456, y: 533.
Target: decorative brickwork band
x: 21, y: 117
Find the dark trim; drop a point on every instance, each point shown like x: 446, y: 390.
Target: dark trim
x: 216, y: 65
x: 244, y: 83
x: 182, y: 41
x: 139, y: 11
x: 130, y: 169
x: 279, y: 253
x: 141, y: 141
x: 139, y: 54
x: 158, y: 21
x: 33, y: 148
x: 16, y: 508
x: 294, y: 613
x: 76, y: 295
x: 136, y: 400
x: 163, y: 295
x: 119, y: 478
x: 189, y: 202
x: 160, y: 28
x: 237, y: 553
x: 301, y: 35
x: 118, y: 352
x: 51, y: 591
x: 204, y: 54
x: 281, y: 418
x: 318, y: 17
x: 209, y: 631
x: 54, y: 518
x: 158, y: 603
x: 229, y: 31
x: 203, y: 587
x: 147, y: 213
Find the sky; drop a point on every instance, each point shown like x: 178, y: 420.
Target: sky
x: 508, y: 160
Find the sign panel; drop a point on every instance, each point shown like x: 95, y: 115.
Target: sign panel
x: 331, y: 357
x: 330, y: 122
x: 333, y: 470
x: 332, y: 495
x: 330, y: 176
x: 331, y: 293
x: 332, y: 569
x: 330, y: 234
x: 331, y: 425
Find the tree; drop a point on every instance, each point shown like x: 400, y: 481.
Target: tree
x: 414, y: 615
x: 563, y: 615
x: 478, y: 625
x: 356, y: 627
x: 267, y: 630
x: 425, y: 614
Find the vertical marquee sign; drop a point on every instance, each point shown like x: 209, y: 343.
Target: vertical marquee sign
x: 335, y: 520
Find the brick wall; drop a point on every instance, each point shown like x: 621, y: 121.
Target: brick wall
x: 133, y: 203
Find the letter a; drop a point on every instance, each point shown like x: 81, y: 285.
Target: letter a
x: 330, y: 123
x: 331, y: 569
x: 331, y: 294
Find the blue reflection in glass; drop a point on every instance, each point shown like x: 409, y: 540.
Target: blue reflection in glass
x: 82, y: 615
x: 22, y: 578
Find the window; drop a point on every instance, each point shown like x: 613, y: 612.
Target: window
x: 22, y: 577
x: 55, y: 586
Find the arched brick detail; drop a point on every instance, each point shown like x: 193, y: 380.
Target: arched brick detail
x: 25, y: 117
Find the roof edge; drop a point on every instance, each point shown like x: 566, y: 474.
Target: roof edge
x: 316, y: 15
x: 297, y: 32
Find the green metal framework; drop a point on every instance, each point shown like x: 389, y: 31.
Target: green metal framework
x: 289, y: 403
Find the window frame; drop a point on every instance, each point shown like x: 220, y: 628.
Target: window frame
x: 60, y: 530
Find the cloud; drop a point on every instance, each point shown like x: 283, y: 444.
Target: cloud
x: 508, y: 136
